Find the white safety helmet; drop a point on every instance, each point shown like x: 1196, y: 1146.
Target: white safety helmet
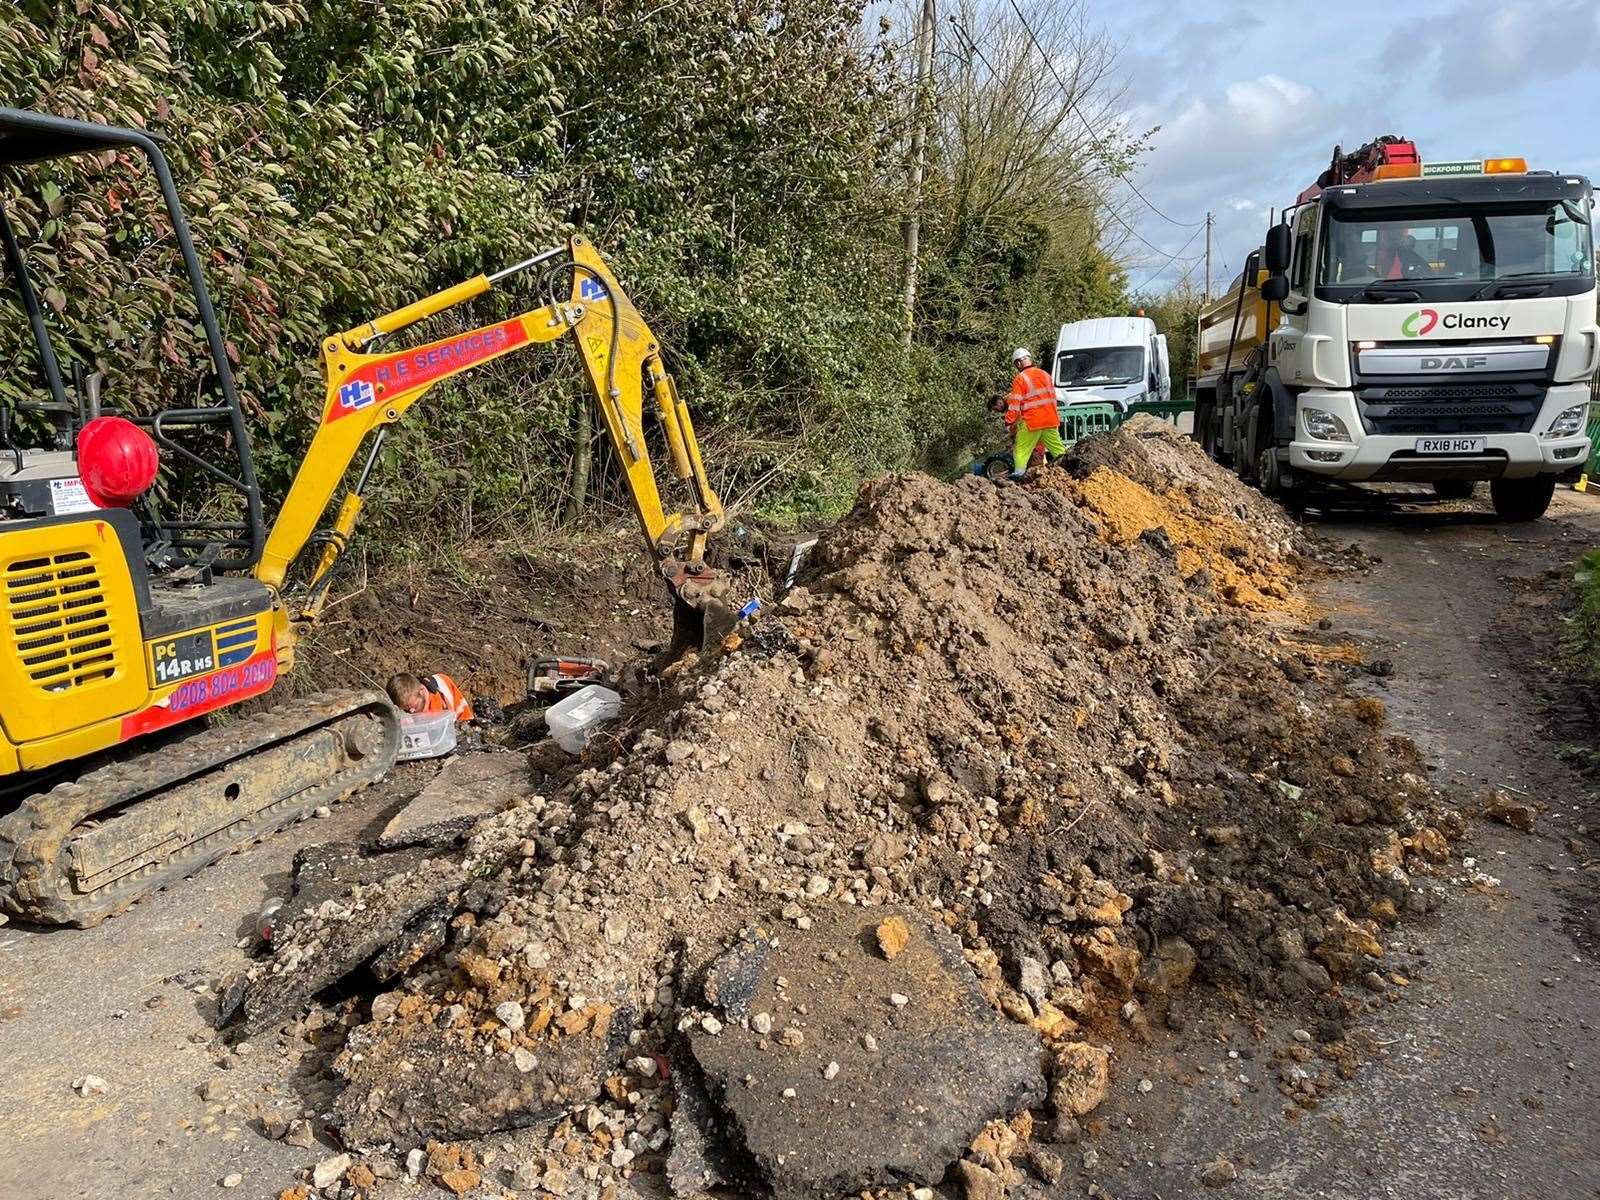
x: 1019, y: 354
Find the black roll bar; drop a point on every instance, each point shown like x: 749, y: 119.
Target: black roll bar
x: 29, y: 137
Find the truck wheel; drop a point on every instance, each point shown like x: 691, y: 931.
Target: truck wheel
x: 1522, y: 499
x: 1269, y: 474
x: 1454, y: 489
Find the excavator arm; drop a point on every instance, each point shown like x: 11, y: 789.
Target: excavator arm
x: 369, y: 389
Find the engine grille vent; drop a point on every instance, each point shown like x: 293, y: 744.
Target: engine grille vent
x: 1450, y: 410
x: 58, y: 622
x: 1471, y: 391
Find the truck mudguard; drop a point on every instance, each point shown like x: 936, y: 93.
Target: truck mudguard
x: 1283, y: 406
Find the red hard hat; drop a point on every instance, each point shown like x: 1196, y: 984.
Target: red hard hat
x: 117, y: 461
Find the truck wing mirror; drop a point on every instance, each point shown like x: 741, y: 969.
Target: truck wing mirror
x: 1275, y: 254
x: 1274, y: 288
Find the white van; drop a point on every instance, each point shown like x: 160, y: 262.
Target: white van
x: 1118, y: 359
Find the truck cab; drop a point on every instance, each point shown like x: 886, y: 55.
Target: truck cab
x: 1437, y: 325
x: 1120, y: 360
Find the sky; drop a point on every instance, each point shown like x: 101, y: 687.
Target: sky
x: 1251, y: 99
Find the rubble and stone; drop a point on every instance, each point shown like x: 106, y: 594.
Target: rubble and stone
x: 1074, y: 734
x: 1508, y: 810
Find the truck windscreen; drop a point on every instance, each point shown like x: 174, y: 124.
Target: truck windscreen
x: 1456, y: 252
x: 1098, y: 366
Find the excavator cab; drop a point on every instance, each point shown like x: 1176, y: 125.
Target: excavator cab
x: 126, y: 612
x: 210, y: 543
x: 109, y: 607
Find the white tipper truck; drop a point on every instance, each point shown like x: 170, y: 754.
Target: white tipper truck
x: 1410, y: 321
x: 1122, y: 360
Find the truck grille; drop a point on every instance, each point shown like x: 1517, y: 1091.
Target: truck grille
x: 1475, y: 391
x: 1414, y: 412
x: 58, y: 620
x: 1450, y: 408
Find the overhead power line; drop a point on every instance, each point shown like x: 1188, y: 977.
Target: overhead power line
x: 1135, y: 187
x: 1139, y: 237
x: 970, y: 41
x: 964, y: 35
x: 1170, y: 259
x: 1073, y: 103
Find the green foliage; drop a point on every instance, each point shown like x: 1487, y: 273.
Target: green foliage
x: 1011, y: 233
x: 739, y: 161
x: 326, y: 174
x: 1177, y: 314
x: 1586, y: 621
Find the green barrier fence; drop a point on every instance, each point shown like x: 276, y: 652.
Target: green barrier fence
x: 1592, y: 467
x: 1079, y: 421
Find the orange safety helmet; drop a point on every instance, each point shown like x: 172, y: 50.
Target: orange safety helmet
x: 117, y: 461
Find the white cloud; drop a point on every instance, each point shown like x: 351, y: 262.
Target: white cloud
x: 1479, y: 48
x: 1237, y: 151
x: 1247, y: 118
x: 1251, y: 101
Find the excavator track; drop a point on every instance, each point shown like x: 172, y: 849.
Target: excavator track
x: 88, y: 848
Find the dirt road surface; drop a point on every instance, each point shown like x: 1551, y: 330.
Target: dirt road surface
x: 1484, y: 1077
x: 1481, y: 1078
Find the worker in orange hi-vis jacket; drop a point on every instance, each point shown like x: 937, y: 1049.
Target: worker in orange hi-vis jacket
x: 429, y: 694
x: 1031, y: 412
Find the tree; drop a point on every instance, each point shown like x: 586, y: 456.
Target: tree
x: 1024, y: 145
x: 1177, y: 314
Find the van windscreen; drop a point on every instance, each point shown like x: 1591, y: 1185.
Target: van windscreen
x: 1092, y: 366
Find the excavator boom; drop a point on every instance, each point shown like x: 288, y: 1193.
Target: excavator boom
x: 371, y: 386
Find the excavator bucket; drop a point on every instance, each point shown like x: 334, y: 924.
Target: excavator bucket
x: 701, y: 613
x: 699, y: 626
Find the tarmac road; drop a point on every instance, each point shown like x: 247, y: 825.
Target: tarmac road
x: 1485, y: 1075
x: 131, y: 1001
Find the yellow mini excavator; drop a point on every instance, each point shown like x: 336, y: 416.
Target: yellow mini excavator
x: 120, y: 623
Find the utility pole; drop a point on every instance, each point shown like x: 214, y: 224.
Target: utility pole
x: 1208, y: 256
x: 919, y: 149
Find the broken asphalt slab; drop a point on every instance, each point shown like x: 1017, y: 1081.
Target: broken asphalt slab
x: 463, y: 1092
x: 842, y: 1070
x: 467, y: 787
x: 328, y: 942
x: 386, y: 902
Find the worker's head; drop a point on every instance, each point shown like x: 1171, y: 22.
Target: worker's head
x: 408, y: 693
x: 1021, y: 359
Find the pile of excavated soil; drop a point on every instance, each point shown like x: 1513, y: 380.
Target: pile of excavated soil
x: 1070, y: 721
x: 1151, y: 479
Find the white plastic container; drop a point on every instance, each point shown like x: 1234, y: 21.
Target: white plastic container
x: 575, y: 718
x: 426, y: 735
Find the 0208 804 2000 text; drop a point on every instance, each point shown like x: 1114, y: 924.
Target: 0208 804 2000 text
x: 200, y: 692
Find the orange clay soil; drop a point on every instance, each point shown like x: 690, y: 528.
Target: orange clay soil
x: 1244, y: 572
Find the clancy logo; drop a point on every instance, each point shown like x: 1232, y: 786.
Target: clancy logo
x: 1422, y: 322
x: 1426, y: 318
